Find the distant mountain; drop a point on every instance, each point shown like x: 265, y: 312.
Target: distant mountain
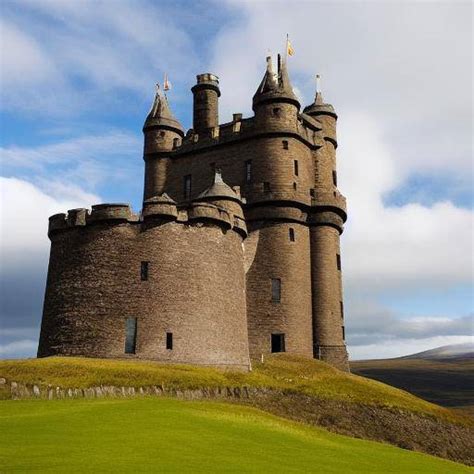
x: 455, y: 351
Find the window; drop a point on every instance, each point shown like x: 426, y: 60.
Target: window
x: 266, y: 187
x: 144, y: 271
x: 162, y: 134
x: 343, y: 333
x: 187, y: 186
x: 338, y: 261
x: 295, y: 167
x: 342, y: 309
x: 312, y: 192
x: 276, y: 111
x: 278, y: 343
x: 295, y: 186
x: 130, y: 335
x: 334, y: 177
x: 248, y: 171
x: 175, y: 142
x: 276, y: 290
x: 292, y: 234
x: 285, y: 144
x: 169, y: 341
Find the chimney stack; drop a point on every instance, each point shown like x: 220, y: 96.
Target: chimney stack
x: 206, y: 95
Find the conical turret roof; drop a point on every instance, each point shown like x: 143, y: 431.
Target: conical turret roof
x: 318, y: 107
x: 160, y: 114
x: 219, y: 190
x: 275, y: 87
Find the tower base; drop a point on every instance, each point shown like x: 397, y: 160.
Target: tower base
x: 334, y: 355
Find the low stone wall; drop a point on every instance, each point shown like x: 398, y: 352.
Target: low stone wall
x: 18, y: 391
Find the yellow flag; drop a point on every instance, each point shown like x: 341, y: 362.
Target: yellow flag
x: 289, y: 49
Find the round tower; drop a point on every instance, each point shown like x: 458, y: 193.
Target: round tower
x: 163, y: 134
x: 274, y: 103
x: 279, y: 307
x: 327, y: 216
x: 206, y: 95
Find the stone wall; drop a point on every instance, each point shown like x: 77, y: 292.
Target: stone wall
x: 195, y: 290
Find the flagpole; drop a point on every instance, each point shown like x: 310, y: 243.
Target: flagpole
x: 286, y: 48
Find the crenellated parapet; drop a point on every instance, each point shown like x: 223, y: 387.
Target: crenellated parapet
x: 156, y: 210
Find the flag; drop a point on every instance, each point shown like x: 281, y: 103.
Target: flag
x: 166, y: 83
x: 289, y: 49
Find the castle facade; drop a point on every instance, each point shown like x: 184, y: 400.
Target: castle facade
x: 235, y: 253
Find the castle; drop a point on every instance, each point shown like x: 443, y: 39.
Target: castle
x: 235, y: 253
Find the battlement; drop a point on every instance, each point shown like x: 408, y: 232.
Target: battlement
x: 157, y: 209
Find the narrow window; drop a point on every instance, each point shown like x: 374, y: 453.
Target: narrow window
x: 276, y: 111
x: 248, y: 171
x: 266, y: 187
x: 292, y: 234
x: 338, y: 261
x: 343, y: 333
x: 342, y: 309
x: 276, y: 290
x: 285, y: 144
x: 144, y: 271
x: 334, y: 177
x: 130, y: 335
x: 175, y: 142
x: 295, y: 186
x: 169, y: 341
x: 295, y: 166
x: 278, y: 343
x: 187, y: 186
x: 312, y: 192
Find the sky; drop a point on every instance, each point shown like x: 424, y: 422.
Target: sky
x: 77, y: 80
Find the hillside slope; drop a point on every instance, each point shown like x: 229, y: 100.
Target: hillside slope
x: 164, y: 435
x: 297, y: 388
x: 447, y: 380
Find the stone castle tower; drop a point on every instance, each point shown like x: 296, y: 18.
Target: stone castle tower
x: 235, y: 253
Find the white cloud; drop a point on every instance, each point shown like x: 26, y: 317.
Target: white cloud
x: 397, y: 347
x: 20, y: 348
x: 106, y: 47
x: 24, y: 216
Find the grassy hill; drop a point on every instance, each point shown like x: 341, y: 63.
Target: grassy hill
x: 166, y: 435
x: 445, y: 380
x: 296, y: 388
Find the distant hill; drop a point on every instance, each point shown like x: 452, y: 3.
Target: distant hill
x: 462, y: 351
x: 444, y: 375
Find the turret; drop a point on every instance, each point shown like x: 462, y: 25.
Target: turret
x: 326, y: 220
x: 206, y: 95
x: 163, y: 133
x: 274, y: 103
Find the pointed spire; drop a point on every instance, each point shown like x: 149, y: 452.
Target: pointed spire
x: 160, y: 113
x: 319, y: 107
x: 275, y: 87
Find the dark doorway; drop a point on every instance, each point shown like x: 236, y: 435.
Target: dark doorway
x: 278, y: 343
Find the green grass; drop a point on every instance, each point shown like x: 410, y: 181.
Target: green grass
x: 281, y: 372
x: 166, y: 435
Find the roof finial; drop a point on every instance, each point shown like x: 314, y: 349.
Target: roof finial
x: 218, y: 176
x: 318, y: 99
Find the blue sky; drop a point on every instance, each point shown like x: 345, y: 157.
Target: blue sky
x: 77, y: 79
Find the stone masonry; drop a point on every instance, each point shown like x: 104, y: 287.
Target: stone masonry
x: 235, y: 253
